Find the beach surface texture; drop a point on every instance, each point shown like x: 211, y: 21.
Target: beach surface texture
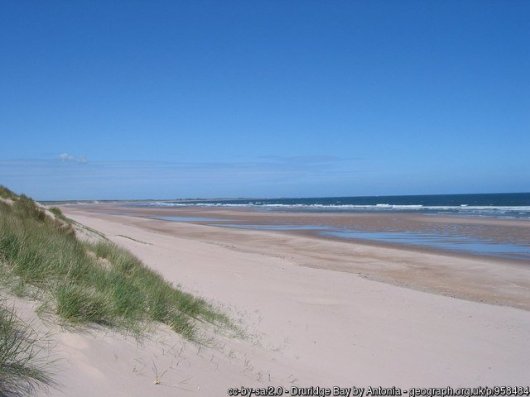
x: 311, y: 312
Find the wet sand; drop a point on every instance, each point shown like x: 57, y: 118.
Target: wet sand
x: 473, y: 277
x: 494, y: 230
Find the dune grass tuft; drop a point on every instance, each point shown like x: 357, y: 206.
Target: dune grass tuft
x: 6, y: 193
x: 59, y: 214
x: 21, y: 369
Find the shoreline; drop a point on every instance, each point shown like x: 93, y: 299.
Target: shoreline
x: 493, y: 231
x: 482, y: 279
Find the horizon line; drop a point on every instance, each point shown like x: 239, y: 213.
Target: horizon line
x: 275, y: 198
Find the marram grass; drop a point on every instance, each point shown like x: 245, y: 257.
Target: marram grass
x: 22, y: 369
x: 90, y: 282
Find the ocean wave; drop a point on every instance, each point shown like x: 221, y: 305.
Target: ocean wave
x: 375, y: 207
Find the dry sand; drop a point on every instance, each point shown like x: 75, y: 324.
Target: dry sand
x: 313, y: 314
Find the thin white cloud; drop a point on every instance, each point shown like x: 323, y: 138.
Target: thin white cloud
x: 68, y: 157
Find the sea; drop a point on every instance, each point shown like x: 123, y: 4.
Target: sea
x: 501, y: 205
x: 470, y: 240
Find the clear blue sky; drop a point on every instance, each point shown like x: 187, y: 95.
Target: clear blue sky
x: 167, y: 99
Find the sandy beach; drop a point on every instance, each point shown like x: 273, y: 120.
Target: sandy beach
x: 313, y: 312
x: 265, y: 198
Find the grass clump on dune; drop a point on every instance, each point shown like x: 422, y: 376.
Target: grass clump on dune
x: 59, y: 214
x: 91, y: 282
x: 21, y: 369
x: 6, y: 193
